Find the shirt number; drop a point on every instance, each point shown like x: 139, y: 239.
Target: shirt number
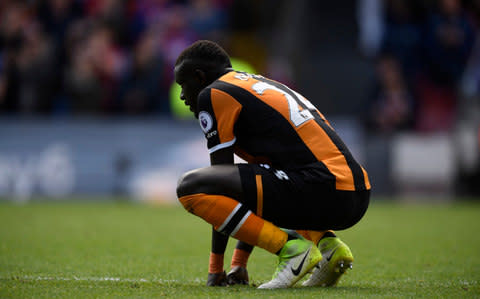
x: 297, y: 116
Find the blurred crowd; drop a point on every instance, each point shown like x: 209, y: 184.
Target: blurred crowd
x: 98, y: 56
x: 115, y: 57
x: 420, y: 58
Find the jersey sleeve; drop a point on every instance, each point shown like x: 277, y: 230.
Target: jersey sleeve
x: 218, y: 113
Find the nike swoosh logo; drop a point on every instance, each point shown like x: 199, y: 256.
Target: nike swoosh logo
x: 297, y: 271
x: 331, y: 254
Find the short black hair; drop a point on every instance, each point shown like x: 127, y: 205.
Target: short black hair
x: 205, y: 52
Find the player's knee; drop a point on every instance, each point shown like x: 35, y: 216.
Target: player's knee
x: 188, y: 183
x: 193, y: 203
x: 187, y: 202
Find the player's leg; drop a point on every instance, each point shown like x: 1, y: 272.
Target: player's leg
x: 313, y: 235
x: 238, y: 267
x: 337, y: 259
x: 238, y: 273
x: 317, y: 207
x: 216, y: 275
x: 215, y: 194
x: 209, y: 193
x: 213, y: 180
x: 337, y: 256
x: 218, y: 179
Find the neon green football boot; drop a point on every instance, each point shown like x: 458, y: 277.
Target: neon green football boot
x: 337, y: 259
x: 295, y: 259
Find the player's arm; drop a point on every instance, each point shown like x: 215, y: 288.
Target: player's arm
x: 216, y: 274
x: 238, y: 273
x: 219, y: 133
x: 222, y: 156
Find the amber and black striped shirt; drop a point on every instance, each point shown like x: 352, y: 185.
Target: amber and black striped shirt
x: 267, y: 122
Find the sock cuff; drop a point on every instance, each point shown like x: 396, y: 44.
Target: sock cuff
x: 272, y: 238
x: 239, y: 258
x: 215, y: 264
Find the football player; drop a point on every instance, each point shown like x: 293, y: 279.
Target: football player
x: 299, y: 175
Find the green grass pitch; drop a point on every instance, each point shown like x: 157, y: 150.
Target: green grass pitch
x: 109, y: 249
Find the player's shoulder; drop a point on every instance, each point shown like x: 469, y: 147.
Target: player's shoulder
x: 238, y: 77
x: 234, y: 84
x: 224, y: 83
x: 234, y: 81
x: 216, y: 91
x: 205, y: 93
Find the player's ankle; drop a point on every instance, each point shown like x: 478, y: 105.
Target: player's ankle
x: 291, y: 235
x: 239, y: 258
x: 328, y: 234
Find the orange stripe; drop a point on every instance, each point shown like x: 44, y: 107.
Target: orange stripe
x: 226, y: 110
x: 214, y: 209
x: 271, y: 238
x: 315, y: 236
x: 258, y: 179
x: 317, y: 140
x: 249, y: 232
x: 269, y: 96
x: 314, y: 137
x: 245, y: 84
x: 367, y: 180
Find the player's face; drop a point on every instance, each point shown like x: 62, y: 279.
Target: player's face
x: 191, y: 85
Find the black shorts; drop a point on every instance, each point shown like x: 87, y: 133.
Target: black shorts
x: 303, y: 198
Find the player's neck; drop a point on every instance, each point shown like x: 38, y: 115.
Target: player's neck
x: 219, y: 74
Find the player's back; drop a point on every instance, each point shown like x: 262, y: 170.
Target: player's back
x: 269, y: 123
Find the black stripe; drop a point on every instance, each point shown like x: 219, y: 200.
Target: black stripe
x: 205, y: 104
x: 357, y: 173
x: 240, y: 93
x: 235, y: 220
x: 249, y: 187
x: 250, y: 102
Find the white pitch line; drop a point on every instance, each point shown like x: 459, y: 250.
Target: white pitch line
x: 75, y: 278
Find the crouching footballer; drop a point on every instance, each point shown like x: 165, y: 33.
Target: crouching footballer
x: 300, y: 185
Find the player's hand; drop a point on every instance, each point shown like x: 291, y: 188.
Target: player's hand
x: 238, y: 275
x: 217, y: 279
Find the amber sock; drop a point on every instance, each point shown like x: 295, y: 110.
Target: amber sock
x: 316, y: 236
x: 230, y: 217
x: 215, y: 263
x: 239, y: 258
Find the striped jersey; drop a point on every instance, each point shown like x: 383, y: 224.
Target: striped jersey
x: 267, y: 122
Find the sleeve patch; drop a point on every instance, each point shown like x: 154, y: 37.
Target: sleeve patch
x: 206, y: 121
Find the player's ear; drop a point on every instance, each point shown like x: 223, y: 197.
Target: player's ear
x: 201, y: 76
